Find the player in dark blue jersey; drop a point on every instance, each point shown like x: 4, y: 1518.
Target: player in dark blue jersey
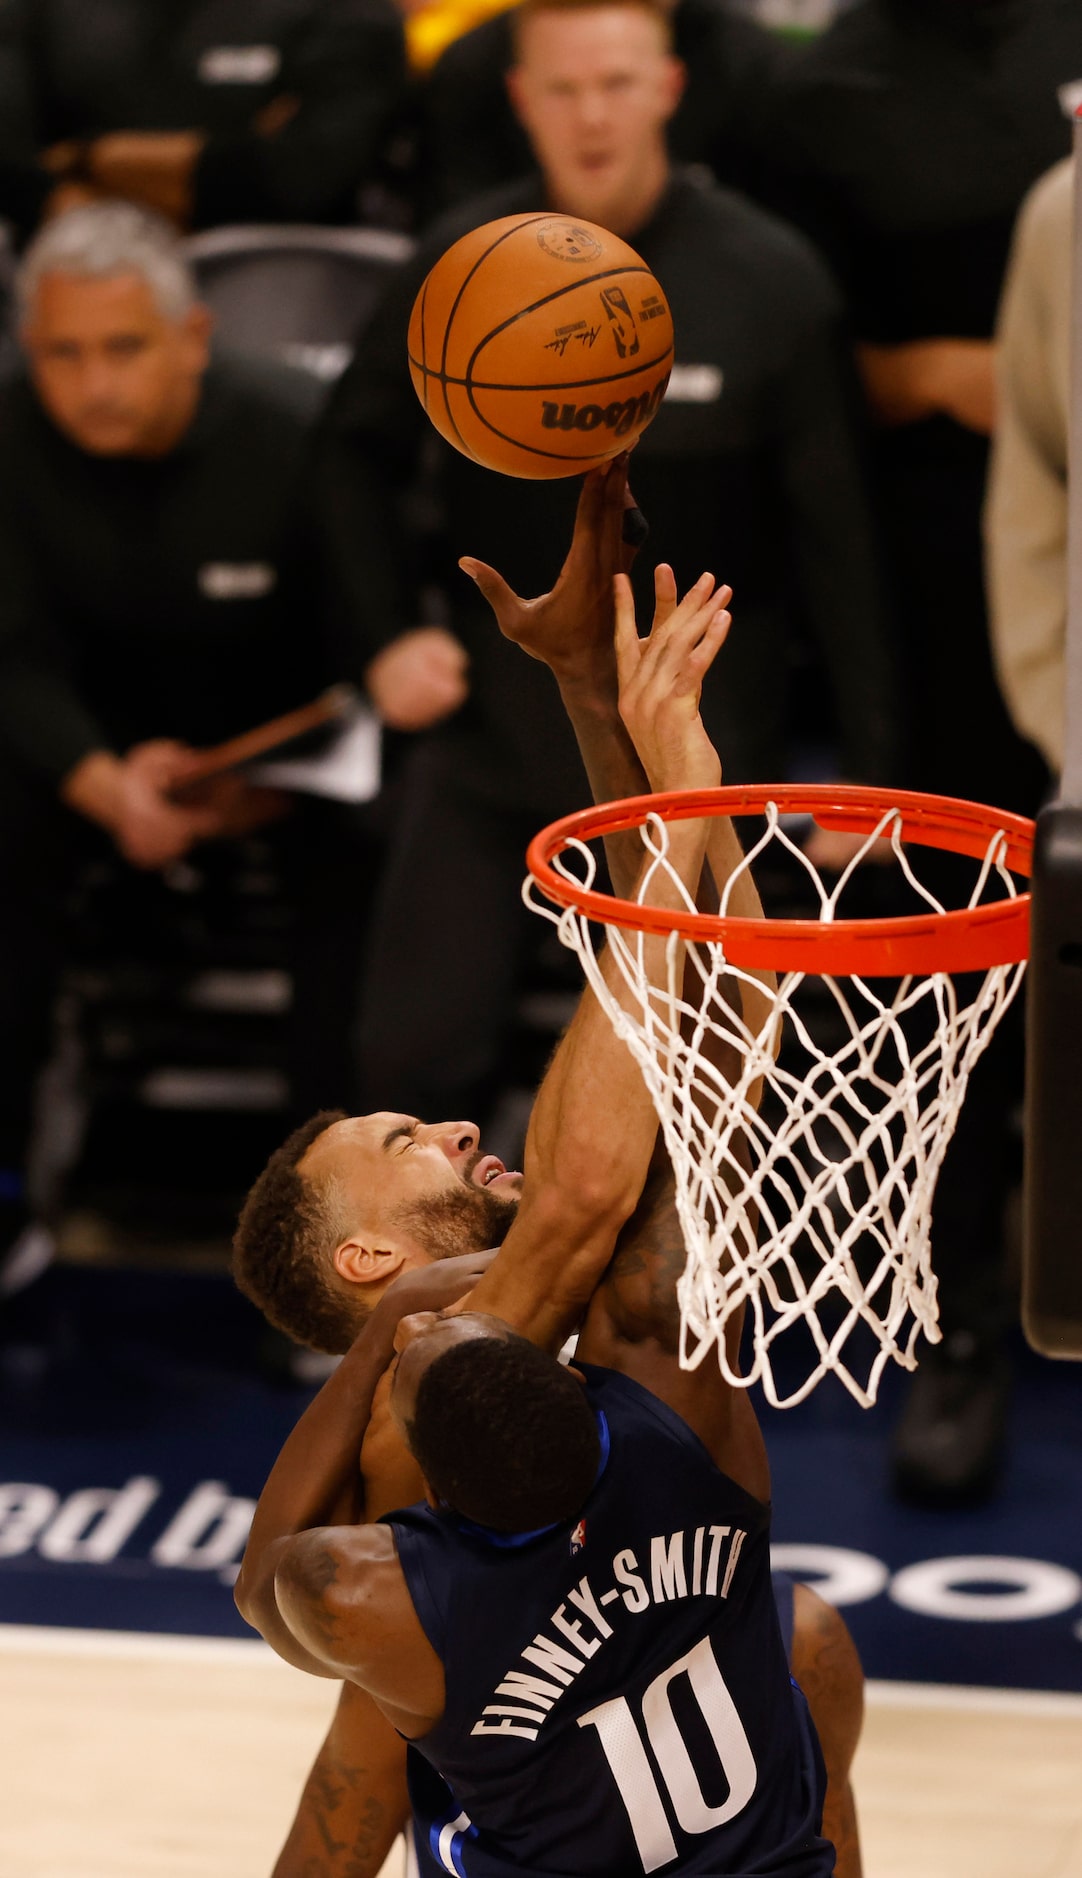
x: 633, y: 1338
x: 355, y: 1800
x: 616, y: 1692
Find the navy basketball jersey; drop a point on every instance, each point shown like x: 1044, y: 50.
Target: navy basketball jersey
x: 618, y: 1696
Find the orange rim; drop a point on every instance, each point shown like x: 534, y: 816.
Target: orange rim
x: 963, y: 940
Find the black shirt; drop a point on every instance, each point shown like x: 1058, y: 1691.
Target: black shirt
x: 178, y: 597
x: 73, y: 70
x: 750, y: 468
x: 906, y: 137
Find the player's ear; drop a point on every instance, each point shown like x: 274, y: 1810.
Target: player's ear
x: 197, y: 327
x: 675, y: 81
x: 515, y: 91
x: 364, y: 1263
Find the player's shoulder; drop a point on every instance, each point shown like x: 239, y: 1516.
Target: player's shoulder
x: 339, y: 1568
x: 629, y: 1405
x: 658, y: 1424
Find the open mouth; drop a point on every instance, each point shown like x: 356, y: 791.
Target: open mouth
x: 489, y: 1169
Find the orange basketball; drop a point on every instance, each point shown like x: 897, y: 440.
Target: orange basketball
x: 540, y: 346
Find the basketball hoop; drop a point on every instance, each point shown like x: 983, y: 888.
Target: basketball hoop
x: 839, y: 1162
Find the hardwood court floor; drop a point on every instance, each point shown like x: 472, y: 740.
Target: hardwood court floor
x: 153, y: 1757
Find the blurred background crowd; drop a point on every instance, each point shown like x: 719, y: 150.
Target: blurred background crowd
x: 219, y: 496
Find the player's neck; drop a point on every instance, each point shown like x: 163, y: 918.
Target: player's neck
x: 629, y: 210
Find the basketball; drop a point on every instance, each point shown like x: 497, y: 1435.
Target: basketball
x: 540, y: 346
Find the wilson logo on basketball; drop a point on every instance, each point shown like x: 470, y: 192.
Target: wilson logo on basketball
x: 621, y: 416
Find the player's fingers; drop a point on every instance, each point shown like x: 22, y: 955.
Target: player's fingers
x: 625, y: 633
x: 701, y: 656
x: 593, y: 497
x: 714, y: 607
x: 694, y: 617
x: 665, y: 598
x: 680, y: 627
x: 683, y: 679
x: 493, y: 585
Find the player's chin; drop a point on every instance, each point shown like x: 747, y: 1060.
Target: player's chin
x: 592, y: 179
x: 105, y: 438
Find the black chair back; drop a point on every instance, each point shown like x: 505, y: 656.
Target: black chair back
x: 294, y: 293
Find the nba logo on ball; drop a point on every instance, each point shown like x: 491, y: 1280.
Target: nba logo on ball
x: 540, y: 346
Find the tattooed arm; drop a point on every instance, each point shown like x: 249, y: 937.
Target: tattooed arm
x: 354, y: 1803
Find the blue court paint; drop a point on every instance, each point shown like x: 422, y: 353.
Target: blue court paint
x: 136, y: 1428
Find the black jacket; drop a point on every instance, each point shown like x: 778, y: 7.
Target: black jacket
x: 181, y: 597
x: 72, y: 70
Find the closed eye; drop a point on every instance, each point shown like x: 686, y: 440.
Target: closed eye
x: 404, y: 1133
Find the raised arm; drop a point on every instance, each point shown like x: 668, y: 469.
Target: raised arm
x: 592, y: 1129
x: 570, y: 629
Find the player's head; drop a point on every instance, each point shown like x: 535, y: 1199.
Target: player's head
x: 503, y: 1434
x: 349, y: 1203
x: 116, y: 342
x: 594, y: 83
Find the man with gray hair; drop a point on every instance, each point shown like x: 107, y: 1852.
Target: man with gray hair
x: 161, y: 588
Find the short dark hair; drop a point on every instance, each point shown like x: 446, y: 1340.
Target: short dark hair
x: 504, y: 1435
x: 288, y: 1227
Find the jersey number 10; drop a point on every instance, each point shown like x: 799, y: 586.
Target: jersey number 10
x: 623, y: 1749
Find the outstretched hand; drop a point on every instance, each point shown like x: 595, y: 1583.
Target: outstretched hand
x: 661, y: 678
x: 570, y: 629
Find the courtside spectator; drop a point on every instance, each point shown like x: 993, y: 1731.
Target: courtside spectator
x: 1026, y: 512
x: 473, y: 140
x: 751, y: 463
x: 263, y: 111
x: 161, y: 588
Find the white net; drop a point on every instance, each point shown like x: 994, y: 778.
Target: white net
x: 811, y: 1206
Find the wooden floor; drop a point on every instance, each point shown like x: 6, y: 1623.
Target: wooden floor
x: 144, y: 1757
